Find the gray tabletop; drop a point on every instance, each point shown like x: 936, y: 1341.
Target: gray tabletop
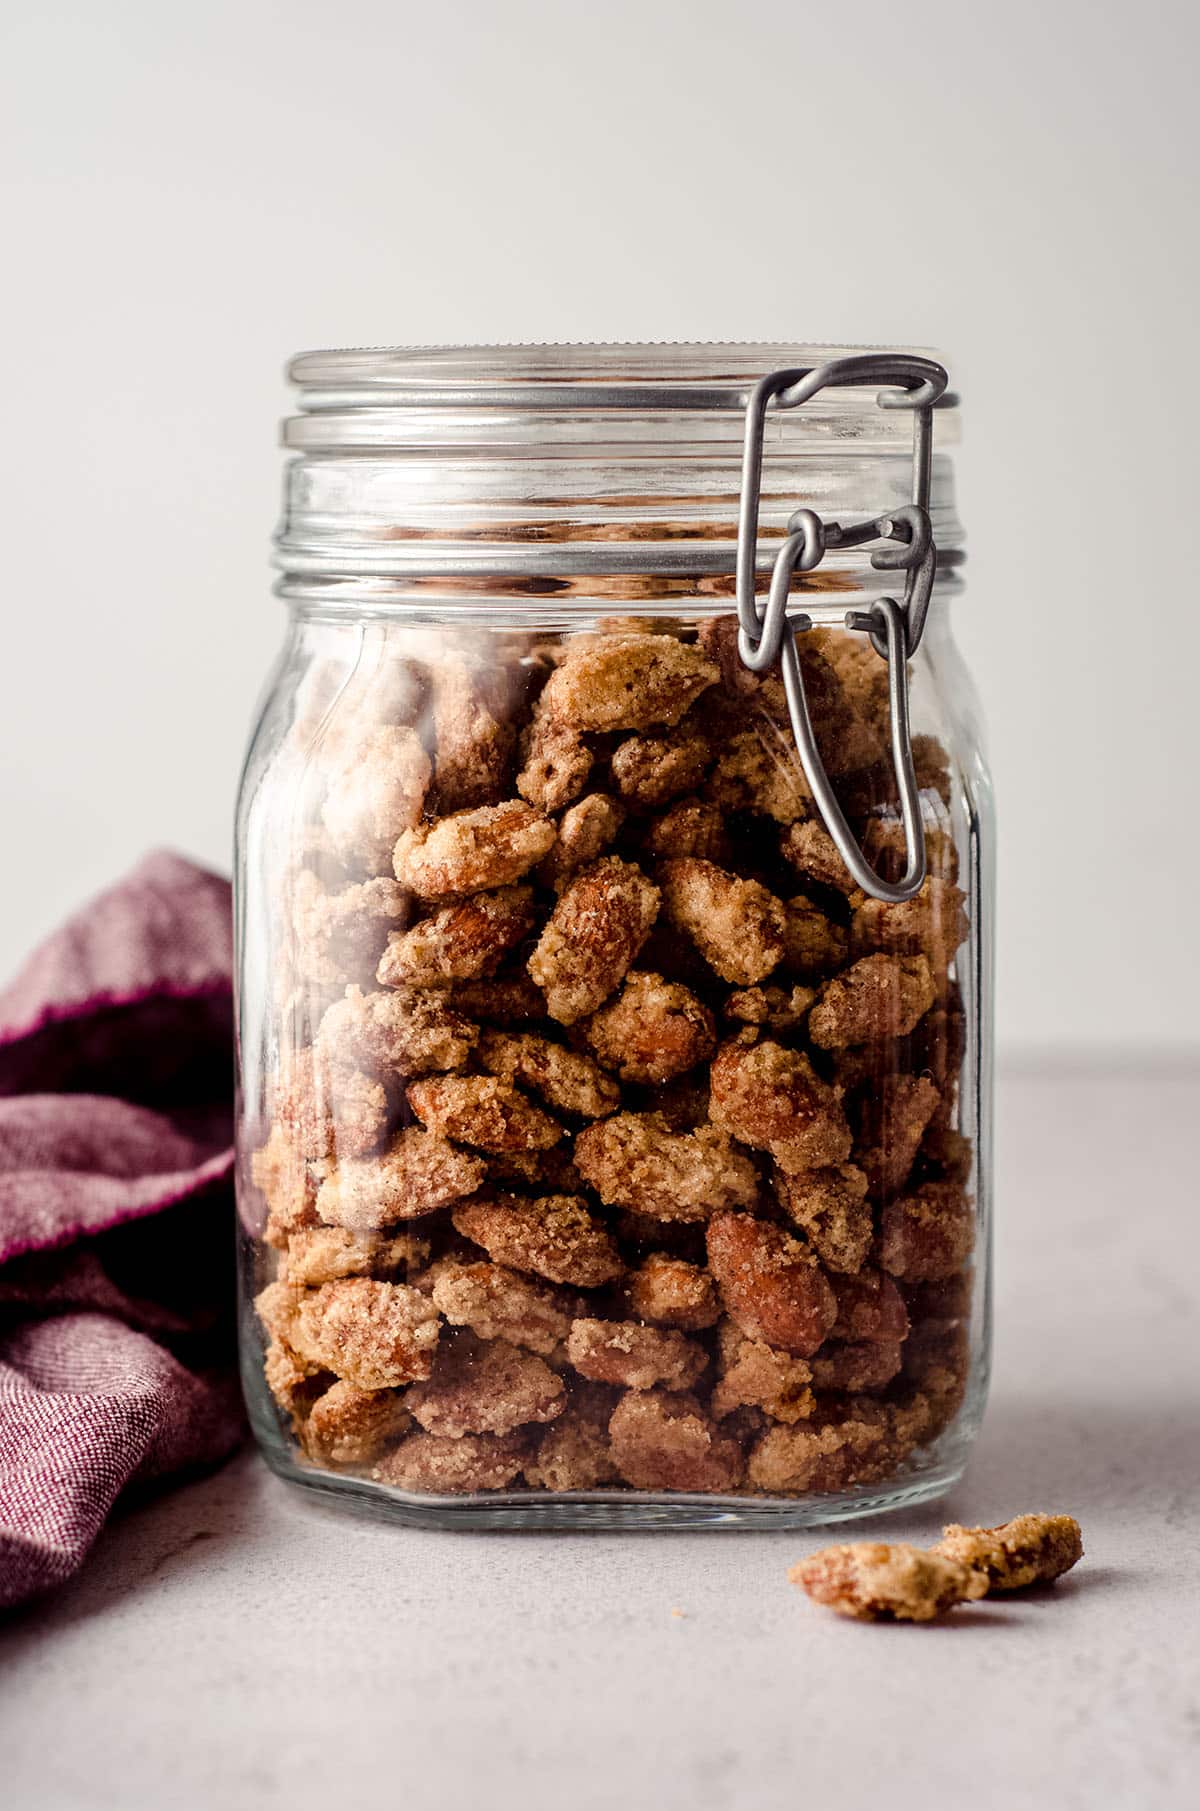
x: 236, y: 1644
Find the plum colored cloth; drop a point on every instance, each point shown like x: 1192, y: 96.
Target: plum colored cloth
x: 116, y: 1213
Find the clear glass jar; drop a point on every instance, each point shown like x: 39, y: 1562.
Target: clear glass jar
x: 607, y: 1154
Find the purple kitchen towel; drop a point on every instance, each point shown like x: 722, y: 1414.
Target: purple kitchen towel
x: 116, y: 1214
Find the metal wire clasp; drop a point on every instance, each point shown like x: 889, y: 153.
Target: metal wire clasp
x: 895, y: 629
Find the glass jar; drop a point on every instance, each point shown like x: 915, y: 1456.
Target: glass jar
x: 613, y: 1005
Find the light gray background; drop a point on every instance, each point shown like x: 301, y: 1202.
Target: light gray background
x: 191, y: 193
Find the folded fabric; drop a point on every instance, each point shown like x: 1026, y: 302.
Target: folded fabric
x: 116, y: 1213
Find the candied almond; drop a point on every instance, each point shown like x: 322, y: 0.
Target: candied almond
x: 830, y: 1207
x: 894, y: 1119
x: 850, y: 1444
x: 813, y: 853
x: 626, y: 682
x: 338, y: 936
x: 459, y: 943
x: 813, y: 944
x: 1029, y: 1550
x: 505, y: 999
x: 772, y: 1286
x: 690, y: 826
x: 869, y: 1306
x: 498, y: 1303
x: 485, y: 1386
x: 780, y: 1008
x: 351, y: 1426
x: 375, y: 789
x: 585, y: 831
x: 288, y: 1182
x: 672, y: 1293
x: 574, y: 1453
x: 565, y: 1079
x: 928, y: 1234
x: 325, y: 1108
x: 394, y: 1033
x: 556, y: 762
x: 865, y: 1364
x: 653, y: 1030
x: 481, y: 1111
x: 555, y: 1236
x: 593, y: 936
x: 662, y: 1440
x: 878, y: 997
x: 634, y: 1160
x: 870, y: 1580
x: 771, y: 1097
x: 472, y: 851
x: 474, y: 734
x: 756, y: 1375
x: 649, y: 770
x: 418, y: 1173
x: 433, y: 1464
x: 737, y: 925
x: 637, y: 1357
x: 376, y: 1335
x: 293, y: 1383
x: 321, y: 1254
x: 758, y: 770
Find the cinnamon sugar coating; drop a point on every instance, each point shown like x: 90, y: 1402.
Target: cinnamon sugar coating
x: 501, y: 1304
x: 866, y: 1364
x: 770, y: 1096
x: 670, y: 1292
x: 481, y: 1111
x: 339, y: 936
x: 928, y: 1234
x: 556, y: 762
x: 932, y: 925
x: 894, y: 1120
x: 375, y: 789
x: 771, y: 1285
x: 830, y: 1207
x: 813, y: 944
x: 390, y: 1034
x: 436, y: 1465
x: 376, y: 1335
x: 485, y: 1386
x: 585, y: 831
x: 737, y: 925
x: 293, y: 1383
x: 474, y: 728
x: 351, y: 1426
x: 870, y: 1581
x: 593, y: 936
x: 758, y: 770
x: 753, y: 1374
x: 1029, y: 1550
x: 847, y: 1441
x: 321, y: 1254
x: 473, y: 851
x: 877, y: 997
x: 322, y: 1110
x: 566, y: 1080
x: 779, y: 1008
x: 814, y: 854
x: 662, y: 1440
x: 574, y: 1452
x: 652, y: 1030
x: 418, y: 1173
x: 634, y: 1160
x: 636, y: 1357
x: 689, y: 827
x: 869, y: 1306
x: 648, y: 771
x: 459, y: 943
x: 626, y: 682
x: 505, y: 999
x: 555, y: 1237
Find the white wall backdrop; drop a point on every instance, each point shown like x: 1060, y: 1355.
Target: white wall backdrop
x: 191, y: 193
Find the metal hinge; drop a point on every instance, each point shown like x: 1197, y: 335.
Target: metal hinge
x: 768, y: 633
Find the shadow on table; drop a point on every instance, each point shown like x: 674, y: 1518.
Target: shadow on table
x: 147, y: 1538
